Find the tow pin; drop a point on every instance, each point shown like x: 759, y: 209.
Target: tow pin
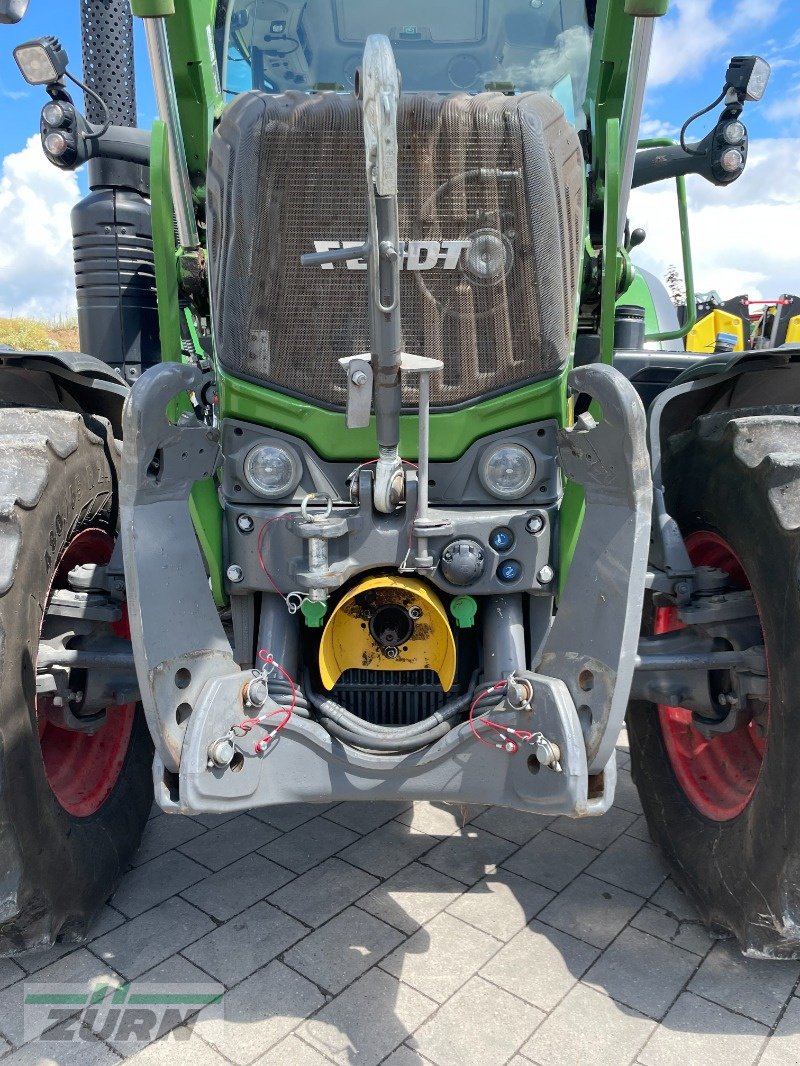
x: 221, y: 752
x: 548, y: 753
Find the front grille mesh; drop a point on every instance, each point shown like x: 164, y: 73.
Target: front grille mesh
x: 391, y: 697
x: 503, y: 173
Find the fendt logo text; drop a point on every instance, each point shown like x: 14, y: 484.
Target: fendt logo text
x: 415, y: 255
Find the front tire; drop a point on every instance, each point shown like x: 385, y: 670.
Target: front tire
x: 724, y: 811
x: 72, y: 805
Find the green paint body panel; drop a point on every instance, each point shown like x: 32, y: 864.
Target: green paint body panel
x: 164, y: 251
x: 204, y: 503
x: 145, y: 9
x: 638, y: 292
x: 194, y: 63
x: 646, y: 8
x: 452, y: 432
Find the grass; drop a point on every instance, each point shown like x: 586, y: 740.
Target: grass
x: 30, y: 335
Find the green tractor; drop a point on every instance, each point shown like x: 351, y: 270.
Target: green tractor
x: 352, y: 494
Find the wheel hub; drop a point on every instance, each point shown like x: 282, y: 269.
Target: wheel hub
x: 718, y: 772
x: 83, y: 755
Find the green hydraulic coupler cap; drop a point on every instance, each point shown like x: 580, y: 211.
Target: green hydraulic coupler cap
x: 464, y: 609
x: 313, y: 612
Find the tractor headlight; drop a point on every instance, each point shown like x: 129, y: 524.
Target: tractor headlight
x: 41, y: 62
x: 507, y: 471
x: 272, y: 470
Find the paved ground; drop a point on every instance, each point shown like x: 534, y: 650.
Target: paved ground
x: 404, y: 935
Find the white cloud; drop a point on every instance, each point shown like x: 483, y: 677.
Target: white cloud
x: 744, y: 238
x: 36, y: 274
x: 695, y: 31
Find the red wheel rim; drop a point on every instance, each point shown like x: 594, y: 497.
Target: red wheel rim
x: 83, y: 768
x: 718, y: 776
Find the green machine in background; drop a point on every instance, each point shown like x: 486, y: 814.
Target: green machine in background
x: 352, y: 493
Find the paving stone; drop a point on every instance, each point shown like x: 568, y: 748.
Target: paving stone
x: 626, y: 795
x: 591, y: 910
x: 596, y: 832
x: 540, y: 965
x: 469, y: 854
x: 674, y: 900
x: 642, y: 972
x: 623, y: 743
x: 163, y: 834
x: 62, y: 1046
x: 388, y: 849
x: 106, y: 920
x: 245, y: 943
x: 436, y: 819
x: 783, y: 1048
x: 411, y: 897
x: 211, y: 821
x: 220, y: 847
x: 696, y: 1031
x: 479, y: 1024
x: 287, y: 816
x: 181, y: 1046
x: 519, y: 826
x: 259, y: 1013
x: 236, y: 887
x: 342, y: 949
x: 80, y: 971
x: 631, y: 864
x: 441, y: 956
x: 367, y: 1021
x: 155, y: 881
x: 501, y: 904
x: 163, y: 979
x: 404, y: 1056
x: 292, y: 1051
x: 147, y: 940
x: 638, y: 829
x: 302, y: 848
x: 551, y: 860
x: 588, y: 1029
x: 31, y: 961
x: 316, y: 896
x: 9, y: 972
x: 755, y: 987
x: 363, y: 817
x: 690, y: 935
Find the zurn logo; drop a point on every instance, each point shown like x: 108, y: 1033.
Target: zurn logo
x: 415, y: 255
x: 138, y: 1012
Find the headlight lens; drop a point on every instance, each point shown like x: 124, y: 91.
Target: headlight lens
x: 272, y: 470
x: 507, y: 471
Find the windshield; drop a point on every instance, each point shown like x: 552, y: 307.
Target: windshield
x: 440, y: 45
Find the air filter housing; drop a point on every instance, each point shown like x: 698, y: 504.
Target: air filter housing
x: 491, y: 212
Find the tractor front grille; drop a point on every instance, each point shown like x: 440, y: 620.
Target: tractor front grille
x: 391, y: 697
x: 502, y: 174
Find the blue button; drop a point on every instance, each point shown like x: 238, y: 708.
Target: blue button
x: 509, y: 571
x: 501, y: 539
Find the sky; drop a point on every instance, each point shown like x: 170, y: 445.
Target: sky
x: 745, y: 238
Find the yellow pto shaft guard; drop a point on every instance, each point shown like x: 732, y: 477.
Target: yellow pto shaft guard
x: 388, y: 623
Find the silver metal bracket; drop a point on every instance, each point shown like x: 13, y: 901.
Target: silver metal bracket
x: 359, y: 389
x: 593, y: 642
x: 178, y: 639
